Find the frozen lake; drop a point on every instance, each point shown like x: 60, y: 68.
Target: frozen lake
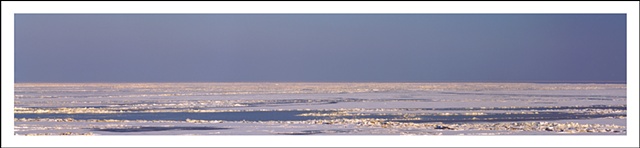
x: 319, y: 109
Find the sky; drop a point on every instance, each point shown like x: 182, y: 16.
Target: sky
x: 320, y: 48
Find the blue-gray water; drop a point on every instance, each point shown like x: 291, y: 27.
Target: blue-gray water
x: 292, y: 116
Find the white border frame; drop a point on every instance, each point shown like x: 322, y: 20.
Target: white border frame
x: 629, y: 8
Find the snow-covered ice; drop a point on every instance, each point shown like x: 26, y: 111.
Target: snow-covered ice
x: 324, y: 108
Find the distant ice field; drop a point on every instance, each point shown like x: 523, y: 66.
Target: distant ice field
x: 319, y: 108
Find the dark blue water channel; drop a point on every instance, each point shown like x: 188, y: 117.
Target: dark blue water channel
x: 181, y: 116
x: 292, y: 116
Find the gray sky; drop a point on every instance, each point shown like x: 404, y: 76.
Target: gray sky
x: 320, y: 48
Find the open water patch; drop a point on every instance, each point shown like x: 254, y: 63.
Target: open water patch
x: 182, y: 116
x: 153, y: 129
x: 294, y: 116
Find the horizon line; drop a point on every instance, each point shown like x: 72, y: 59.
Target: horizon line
x: 559, y: 82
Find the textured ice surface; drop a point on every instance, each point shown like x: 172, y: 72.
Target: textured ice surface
x: 599, y: 108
